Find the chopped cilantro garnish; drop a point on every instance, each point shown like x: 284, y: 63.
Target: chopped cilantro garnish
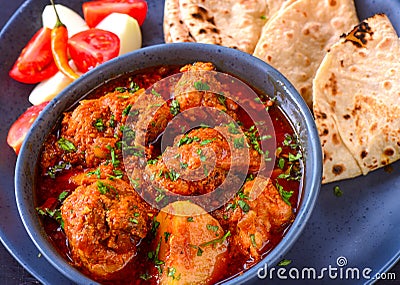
x: 103, y: 188
x: 126, y: 111
x: 62, y: 196
x: 155, y: 93
x: 145, y: 276
x: 66, y: 145
x: 96, y: 172
x: 174, y: 107
x: 239, y: 142
x: 244, y: 206
x: 204, y: 142
x: 134, y: 221
x: 120, y: 89
x: 253, y: 240
x: 201, y: 155
x: 133, y: 87
x: 201, y: 86
x: 218, y: 240
x: 337, y: 191
x: 187, y: 140
x: 286, y: 195
x: 233, y: 128
x: 166, y: 236
x: 99, y: 125
x: 281, y: 163
x: 284, y: 262
x: 212, y: 228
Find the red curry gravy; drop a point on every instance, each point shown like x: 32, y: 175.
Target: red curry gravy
x: 54, y: 179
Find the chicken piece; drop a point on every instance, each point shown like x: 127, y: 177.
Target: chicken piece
x: 104, y: 221
x: 203, y: 66
x: 191, y: 243
x: 199, y: 162
x: 92, y: 129
x: 164, y: 101
x: 253, y: 215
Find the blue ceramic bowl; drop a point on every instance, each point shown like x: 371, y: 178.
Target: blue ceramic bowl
x: 244, y: 66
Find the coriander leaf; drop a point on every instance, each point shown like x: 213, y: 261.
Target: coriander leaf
x: 174, y: 108
x: 284, y: 262
x: 337, y: 191
x: 286, y: 195
x: 244, y: 206
x: 66, y: 145
x: 201, y: 86
x: 99, y: 125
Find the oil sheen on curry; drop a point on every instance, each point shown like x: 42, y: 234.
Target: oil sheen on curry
x: 125, y: 212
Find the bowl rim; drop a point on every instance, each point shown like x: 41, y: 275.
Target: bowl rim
x: 91, y: 80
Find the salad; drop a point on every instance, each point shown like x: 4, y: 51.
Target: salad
x: 67, y: 46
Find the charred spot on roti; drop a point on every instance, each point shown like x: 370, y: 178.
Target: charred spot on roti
x: 332, y: 84
x: 357, y: 108
x: 389, y: 151
x: 332, y: 105
x: 358, y: 35
x: 325, y: 132
x: 346, y: 117
x: 303, y: 91
x: 342, y: 63
x: 320, y: 115
x: 211, y: 20
x: 374, y: 127
x: 332, y: 2
x: 202, y: 31
x: 202, y: 10
x: 387, y: 85
x: 364, y: 154
x: 338, y: 169
x: 306, y: 31
x: 289, y: 34
x: 335, y: 139
x: 197, y: 16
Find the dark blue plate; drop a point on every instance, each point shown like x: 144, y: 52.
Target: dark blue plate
x: 358, y: 231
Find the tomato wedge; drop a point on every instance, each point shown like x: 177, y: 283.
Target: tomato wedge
x: 95, y: 11
x: 21, y: 126
x: 35, y: 62
x: 92, y: 47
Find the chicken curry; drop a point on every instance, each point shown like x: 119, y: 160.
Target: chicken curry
x: 126, y: 213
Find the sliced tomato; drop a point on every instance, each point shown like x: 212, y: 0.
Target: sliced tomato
x: 35, y: 62
x: 21, y: 126
x: 95, y: 11
x: 92, y: 47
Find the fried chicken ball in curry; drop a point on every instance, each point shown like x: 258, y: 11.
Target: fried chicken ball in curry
x: 103, y: 222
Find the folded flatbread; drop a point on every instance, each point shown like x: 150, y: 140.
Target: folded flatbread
x: 296, y: 39
x: 357, y: 100
x: 232, y: 23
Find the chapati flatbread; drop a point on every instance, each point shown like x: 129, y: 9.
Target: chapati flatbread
x: 297, y: 38
x: 236, y: 24
x: 357, y: 99
x: 174, y: 28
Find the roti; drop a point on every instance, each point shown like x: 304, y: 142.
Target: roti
x: 357, y: 100
x: 296, y: 39
x: 236, y: 24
